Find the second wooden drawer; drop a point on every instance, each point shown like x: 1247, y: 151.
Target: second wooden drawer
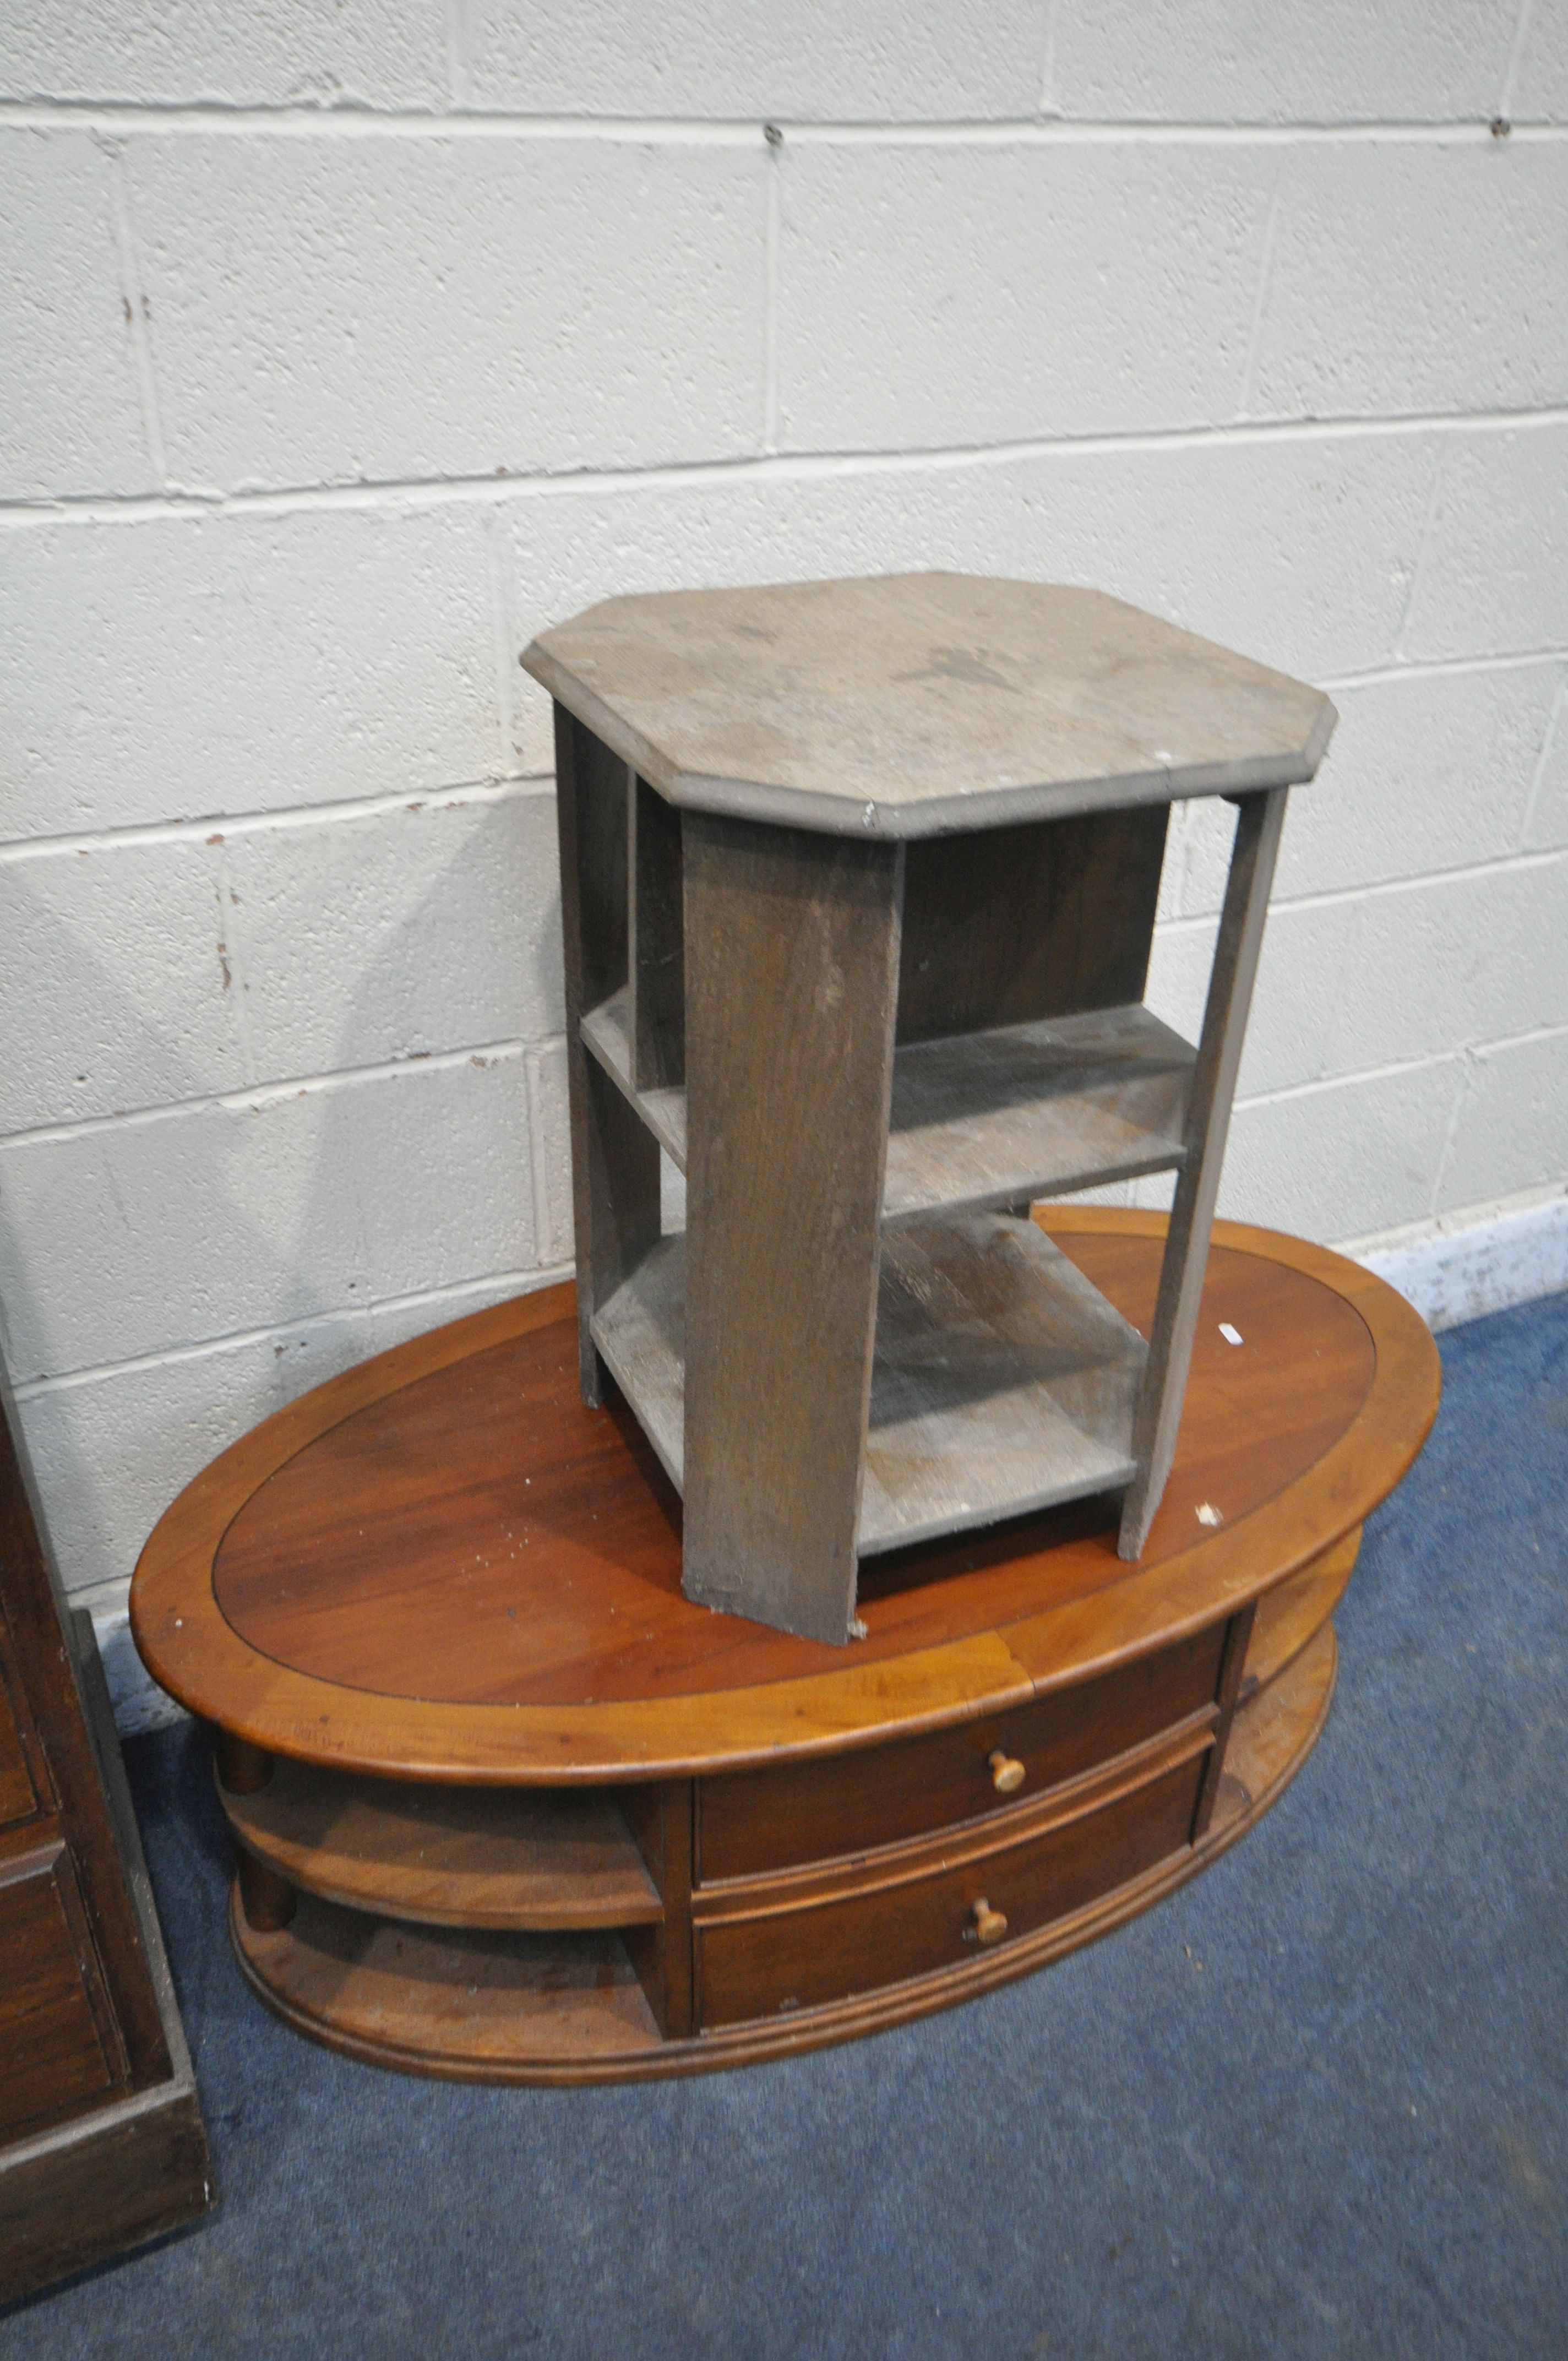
x: 828, y: 1950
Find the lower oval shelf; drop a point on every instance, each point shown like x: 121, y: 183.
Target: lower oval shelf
x: 567, y: 2008
x: 457, y: 1857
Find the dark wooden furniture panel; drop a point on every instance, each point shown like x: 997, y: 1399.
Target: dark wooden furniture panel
x: 52, y: 2054
x: 975, y: 951
x: 20, y: 1799
x: 847, y: 1803
x: 756, y: 1966
x: 100, y: 2136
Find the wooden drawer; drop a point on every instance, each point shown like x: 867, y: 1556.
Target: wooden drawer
x: 831, y: 1949
x: 754, y: 1822
x: 52, y: 2056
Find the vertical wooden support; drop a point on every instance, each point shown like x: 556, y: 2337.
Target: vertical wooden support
x: 1259, y: 819
x: 1238, y: 1639
x: 615, y: 1161
x: 243, y: 1769
x: 657, y: 951
x: 268, y: 1900
x: 661, y: 1818
x: 792, y: 982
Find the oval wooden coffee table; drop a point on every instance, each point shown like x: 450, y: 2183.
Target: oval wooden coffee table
x: 509, y: 1807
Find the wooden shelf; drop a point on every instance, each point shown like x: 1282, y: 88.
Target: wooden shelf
x: 982, y: 1119
x: 1002, y: 1380
x: 449, y: 1856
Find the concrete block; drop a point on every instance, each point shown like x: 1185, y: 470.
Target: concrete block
x: 118, y: 968
x: 1494, y: 577
x: 1426, y: 773
x: 309, y: 52
x: 1296, y: 1031
x: 876, y: 62
x: 1540, y: 80
x: 1455, y: 963
x: 177, y: 668
x: 424, y: 928
x: 72, y: 420
x: 1339, y: 1162
x: 1547, y: 824
x: 133, y: 1238
x: 1413, y: 278
x: 992, y: 294
x: 346, y: 310
x: 1512, y: 1129
x: 111, y: 1453
x: 1230, y: 61
x: 1299, y: 552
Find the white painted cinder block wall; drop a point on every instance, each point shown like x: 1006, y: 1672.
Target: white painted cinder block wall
x: 350, y: 342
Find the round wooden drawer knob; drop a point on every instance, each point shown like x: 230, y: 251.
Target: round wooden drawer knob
x: 1007, y: 1772
x: 990, y: 1926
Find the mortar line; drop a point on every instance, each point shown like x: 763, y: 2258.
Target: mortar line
x: 357, y: 121
x: 1450, y: 1132
x: 208, y: 824
x: 410, y: 494
x: 254, y: 1097
x: 1468, y: 1053
x: 523, y: 1281
x: 1378, y: 888
x: 1265, y: 285
x: 139, y: 314
x: 1439, y: 667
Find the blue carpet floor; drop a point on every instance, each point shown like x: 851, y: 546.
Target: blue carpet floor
x: 1315, y: 2104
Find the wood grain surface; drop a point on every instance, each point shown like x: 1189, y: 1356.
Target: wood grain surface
x: 792, y: 974
x: 441, y: 1566
x: 569, y: 2009
x: 456, y: 1856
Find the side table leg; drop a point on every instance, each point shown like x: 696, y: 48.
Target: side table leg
x: 1259, y: 819
x: 615, y: 1160
x: 791, y: 945
x: 268, y: 1900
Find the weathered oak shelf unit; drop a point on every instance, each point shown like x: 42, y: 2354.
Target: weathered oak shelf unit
x: 859, y: 884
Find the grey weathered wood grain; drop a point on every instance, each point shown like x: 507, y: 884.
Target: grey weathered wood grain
x: 1002, y: 1380
x: 1258, y: 823
x: 792, y: 974
x: 606, y: 1031
x: 1010, y: 924
x: 993, y: 1118
x: 657, y: 955
x: 615, y: 1162
x: 920, y: 704
x: 990, y: 1118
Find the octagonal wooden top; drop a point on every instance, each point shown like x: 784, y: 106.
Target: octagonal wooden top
x: 907, y: 705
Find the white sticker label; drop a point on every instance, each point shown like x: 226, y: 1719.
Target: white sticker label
x: 1232, y: 1335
